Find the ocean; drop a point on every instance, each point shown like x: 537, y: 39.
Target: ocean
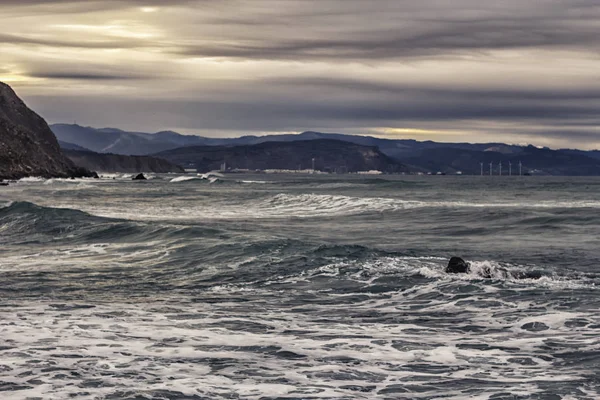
x: 299, y: 287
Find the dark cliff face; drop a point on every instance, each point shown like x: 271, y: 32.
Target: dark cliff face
x: 328, y: 155
x: 27, y: 145
x: 120, y: 163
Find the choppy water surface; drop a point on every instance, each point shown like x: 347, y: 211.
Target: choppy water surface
x: 289, y: 287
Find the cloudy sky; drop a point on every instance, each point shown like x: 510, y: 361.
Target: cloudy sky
x: 519, y: 71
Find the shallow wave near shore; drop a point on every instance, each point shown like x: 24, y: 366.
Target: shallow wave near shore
x: 298, y: 289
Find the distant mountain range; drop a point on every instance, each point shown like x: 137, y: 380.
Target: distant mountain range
x: 322, y: 154
x: 417, y: 156
x: 111, y: 140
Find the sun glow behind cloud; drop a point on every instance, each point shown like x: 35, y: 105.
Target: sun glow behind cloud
x: 122, y: 29
x: 12, y: 78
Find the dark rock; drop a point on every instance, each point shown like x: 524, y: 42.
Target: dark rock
x: 27, y: 145
x: 535, y: 327
x: 139, y: 177
x: 527, y: 275
x: 457, y: 266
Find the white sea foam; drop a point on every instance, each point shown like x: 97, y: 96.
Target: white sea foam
x: 432, y: 335
x: 31, y: 179
x: 287, y: 205
x: 256, y: 182
x: 416, y: 339
x: 176, y: 346
x: 184, y: 179
x: 96, y: 256
x: 304, y: 206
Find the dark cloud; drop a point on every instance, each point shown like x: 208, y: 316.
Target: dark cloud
x: 44, y: 8
x: 339, y: 30
x: 577, y: 136
x: 264, y: 114
x: 450, y: 90
x: 389, y: 30
x: 91, y: 72
x: 573, y: 126
x: 86, y: 76
x: 524, y: 68
x: 75, y: 43
x: 94, y: 3
x: 391, y: 45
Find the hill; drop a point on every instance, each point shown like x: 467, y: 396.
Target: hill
x: 111, y: 140
x: 70, y: 146
x: 121, y: 142
x: 120, y: 163
x: 27, y: 145
x: 328, y: 155
x: 425, y: 156
x: 537, y: 161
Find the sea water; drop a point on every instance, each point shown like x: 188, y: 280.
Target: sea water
x: 299, y: 287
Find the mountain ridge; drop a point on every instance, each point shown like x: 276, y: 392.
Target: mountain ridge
x: 420, y: 154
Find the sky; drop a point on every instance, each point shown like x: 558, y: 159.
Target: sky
x: 514, y: 71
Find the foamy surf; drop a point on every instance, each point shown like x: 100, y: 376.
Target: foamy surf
x: 284, y: 205
x: 298, y: 290
x: 185, y: 179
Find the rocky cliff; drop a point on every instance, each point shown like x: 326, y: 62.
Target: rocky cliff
x: 120, y: 163
x: 27, y: 145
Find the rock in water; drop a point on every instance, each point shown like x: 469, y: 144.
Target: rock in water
x: 139, y: 177
x: 457, y: 266
x: 27, y: 145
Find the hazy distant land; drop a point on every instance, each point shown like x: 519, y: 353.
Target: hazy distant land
x: 408, y: 156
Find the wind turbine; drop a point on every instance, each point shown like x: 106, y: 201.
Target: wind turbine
x: 520, y: 166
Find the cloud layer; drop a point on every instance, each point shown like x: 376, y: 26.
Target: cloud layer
x: 518, y: 71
